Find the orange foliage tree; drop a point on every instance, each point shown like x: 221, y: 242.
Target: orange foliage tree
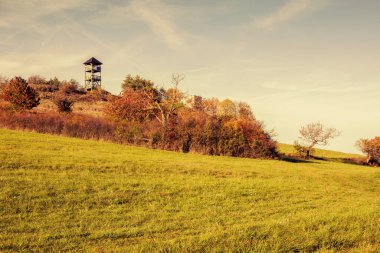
x: 19, y: 94
x: 163, y: 118
x: 36, y: 79
x: 371, y: 147
x: 130, y: 106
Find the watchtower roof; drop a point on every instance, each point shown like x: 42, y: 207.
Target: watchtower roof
x: 92, y: 61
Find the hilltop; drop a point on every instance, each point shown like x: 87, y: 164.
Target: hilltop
x: 91, y: 108
x: 66, y: 194
x: 145, y: 114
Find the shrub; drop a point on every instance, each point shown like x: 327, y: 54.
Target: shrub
x: 73, y: 125
x: 44, y: 88
x: 63, y: 102
x: 247, y: 138
x: 20, y: 94
x: 66, y: 96
x: 69, y: 88
x: 302, y: 150
x: 55, y: 82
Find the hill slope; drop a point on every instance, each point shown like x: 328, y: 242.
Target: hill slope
x: 67, y: 194
x: 289, y: 149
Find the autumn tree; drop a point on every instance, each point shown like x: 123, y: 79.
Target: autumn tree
x: 145, y: 114
x: 20, y: 94
x: 66, y: 96
x: 36, y: 79
x: 158, y: 103
x: 197, y: 103
x: 370, y: 147
x: 227, y: 108
x: 246, y: 138
x: 132, y: 111
x: 210, y: 106
x: 191, y: 129
x: 3, y: 81
x: 130, y: 106
x: 245, y: 111
x: 136, y: 83
x: 165, y: 103
x: 314, y: 134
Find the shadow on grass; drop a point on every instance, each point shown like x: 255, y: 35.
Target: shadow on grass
x: 292, y: 159
x: 316, y: 159
x: 353, y: 161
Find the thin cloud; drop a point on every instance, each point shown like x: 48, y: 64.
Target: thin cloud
x: 157, y: 16
x: 290, y: 10
x: 4, y: 24
x: 15, y: 12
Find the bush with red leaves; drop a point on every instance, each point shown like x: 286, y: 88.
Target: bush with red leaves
x: 73, y: 125
x: 19, y: 94
x: 63, y: 102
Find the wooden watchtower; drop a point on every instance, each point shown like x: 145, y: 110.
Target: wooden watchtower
x: 92, y: 74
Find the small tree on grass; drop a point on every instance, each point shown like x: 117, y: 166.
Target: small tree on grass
x: 302, y: 149
x: 314, y: 134
x: 370, y: 147
x: 20, y: 94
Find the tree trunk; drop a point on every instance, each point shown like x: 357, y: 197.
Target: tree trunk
x: 372, y: 161
x: 186, y: 144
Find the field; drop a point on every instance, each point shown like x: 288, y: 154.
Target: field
x: 321, y: 153
x: 65, y: 194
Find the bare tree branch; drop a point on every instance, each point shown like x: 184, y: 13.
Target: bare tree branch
x: 316, y: 134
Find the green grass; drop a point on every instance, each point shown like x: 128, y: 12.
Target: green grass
x: 289, y: 149
x: 65, y: 194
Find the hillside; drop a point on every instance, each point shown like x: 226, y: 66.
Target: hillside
x: 92, y: 108
x: 323, y: 153
x: 66, y: 194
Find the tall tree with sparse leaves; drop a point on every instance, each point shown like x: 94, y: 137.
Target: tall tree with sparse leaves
x: 314, y: 134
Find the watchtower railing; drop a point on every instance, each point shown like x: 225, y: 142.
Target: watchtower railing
x: 90, y: 68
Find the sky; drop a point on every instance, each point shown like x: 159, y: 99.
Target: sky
x: 293, y: 61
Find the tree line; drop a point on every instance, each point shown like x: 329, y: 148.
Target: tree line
x: 165, y: 118
x: 148, y: 115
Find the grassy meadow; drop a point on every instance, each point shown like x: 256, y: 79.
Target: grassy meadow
x: 66, y: 194
x: 321, y: 153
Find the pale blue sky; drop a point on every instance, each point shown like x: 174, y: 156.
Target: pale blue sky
x: 293, y: 61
